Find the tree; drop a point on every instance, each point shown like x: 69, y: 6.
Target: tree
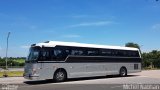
x: 131, y: 44
x: 135, y: 45
x: 151, y: 58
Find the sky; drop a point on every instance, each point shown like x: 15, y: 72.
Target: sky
x: 106, y: 22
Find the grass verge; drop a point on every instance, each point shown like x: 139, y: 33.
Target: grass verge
x: 12, y: 73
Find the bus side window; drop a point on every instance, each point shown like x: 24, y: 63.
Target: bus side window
x: 67, y: 52
x: 137, y: 54
x: 77, y: 52
x: 130, y: 54
x: 45, y: 55
x: 60, y: 54
x: 120, y: 53
x: 106, y: 52
x: 53, y: 57
x: 93, y: 52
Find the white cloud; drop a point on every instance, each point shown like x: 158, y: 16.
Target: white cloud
x: 99, y: 23
x: 25, y: 46
x: 86, y: 16
x: 71, y: 36
x: 156, y: 26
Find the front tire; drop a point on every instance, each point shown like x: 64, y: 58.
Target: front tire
x: 123, y: 72
x: 60, y: 76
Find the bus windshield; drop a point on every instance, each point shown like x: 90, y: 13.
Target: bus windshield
x: 33, y: 54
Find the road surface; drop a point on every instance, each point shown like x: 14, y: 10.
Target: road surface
x: 151, y: 77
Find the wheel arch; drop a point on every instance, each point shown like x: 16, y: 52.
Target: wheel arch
x: 124, y: 68
x: 61, y: 69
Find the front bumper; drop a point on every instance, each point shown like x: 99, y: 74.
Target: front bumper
x: 31, y: 77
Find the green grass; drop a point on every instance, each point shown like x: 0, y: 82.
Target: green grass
x: 20, y: 60
x: 12, y: 73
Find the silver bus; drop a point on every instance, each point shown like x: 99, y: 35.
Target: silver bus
x: 61, y: 60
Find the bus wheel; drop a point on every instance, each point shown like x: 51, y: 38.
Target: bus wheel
x: 123, y: 72
x: 60, y: 76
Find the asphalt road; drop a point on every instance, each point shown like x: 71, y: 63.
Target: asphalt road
x: 74, y: 87
x: 95, y: 83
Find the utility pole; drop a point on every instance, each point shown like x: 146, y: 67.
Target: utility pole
x: 7, y: 49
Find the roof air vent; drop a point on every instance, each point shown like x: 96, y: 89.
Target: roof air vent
x: 33, y: 45
x: 46, y: 42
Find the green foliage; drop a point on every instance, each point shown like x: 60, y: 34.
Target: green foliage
x: 12, y: 62
x: 131, y: 44
x: 151, y: 59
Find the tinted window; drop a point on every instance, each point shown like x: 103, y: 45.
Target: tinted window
x: 33, y: 55
x: 120, y: 53
x: 58, y: 54
x: 106, y: 52
x: 45, y: 54
x: 92, y: 52
x: 131, y: 53
x: 125, y: 53
x: 135, y: 54
x: 77, y: 52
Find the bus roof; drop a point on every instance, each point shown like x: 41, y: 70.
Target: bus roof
x: 75, y: 44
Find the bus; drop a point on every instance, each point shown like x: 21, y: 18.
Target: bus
x: 62, y: 60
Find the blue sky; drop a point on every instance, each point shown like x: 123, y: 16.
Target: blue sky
x: 110, y: 22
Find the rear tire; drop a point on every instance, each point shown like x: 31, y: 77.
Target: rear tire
x: 123, y: 72
x: 60, y: 76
